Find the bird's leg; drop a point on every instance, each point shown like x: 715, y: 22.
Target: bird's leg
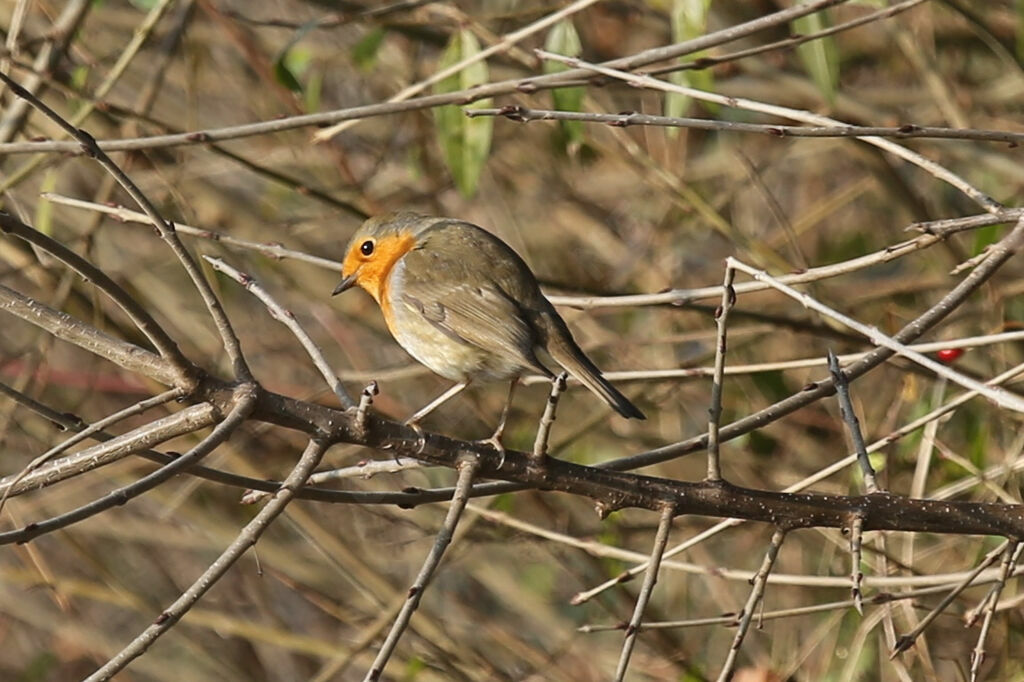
x: 495, y: 439
x: 413, y: 421
x: 437, y: 402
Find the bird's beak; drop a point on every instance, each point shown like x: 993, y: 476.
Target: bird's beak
x: 346, y: 283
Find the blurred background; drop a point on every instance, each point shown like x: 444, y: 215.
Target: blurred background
x: 595, y: 210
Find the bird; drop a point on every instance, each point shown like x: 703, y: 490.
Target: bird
x: 462, y: 302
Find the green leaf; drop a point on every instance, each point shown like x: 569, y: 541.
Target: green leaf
x: 290, y: 65
x: 284, y: 75
x: 563, y: 39
x: 314, y: 87
x: 820, y: 57
x: 292, y: 61
x: 689, y: 20
x: 465, y: 141
x: 364, y: 54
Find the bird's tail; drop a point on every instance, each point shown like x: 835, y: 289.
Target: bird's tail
x: 563, y: 348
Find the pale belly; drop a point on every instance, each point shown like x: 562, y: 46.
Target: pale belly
x: 443, y: 354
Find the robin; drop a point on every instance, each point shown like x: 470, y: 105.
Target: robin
x: 464, y: 304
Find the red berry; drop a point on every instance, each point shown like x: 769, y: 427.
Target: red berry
x: 949, y: 355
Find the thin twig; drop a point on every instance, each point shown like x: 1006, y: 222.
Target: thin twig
x: 60, y: 34
x: 849, y: 415
x: 756, y: 593
x: 856, y: 575
x: 835, y: 467
x: 599, y: 549
x: 706, y: 62
x: 522, y: 114
x: 715, y: 411
x: 1002, y: 252
x: 70, y: 329
x: 287, y: 318
x: 999, y: 396
x: 801, y: 363
x: 110, y: 79
x: 467, y: 470
x: 365, y: 401
x: 1010, y: 557
x: 365, y: 470
x: 166, y: 229
x: 906, y: 641
x: 246, y: 538
x: 654, y: 565
x: 130, y: 411
x: 139, y: 316
x: 244, y: 403
x: 127, y: 215
x: 461, y: 97
x: 540, y: 444
x: 832, y: 469
x: 732, y: 619
x: 189, y: 420
x: 934, y: 232
x: 971, y: 617
x: 504, y: 44
x: 934, y: 169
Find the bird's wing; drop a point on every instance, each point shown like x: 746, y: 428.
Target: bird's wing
x: 469, y: 308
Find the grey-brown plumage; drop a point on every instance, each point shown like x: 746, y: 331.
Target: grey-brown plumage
x: 463, y: 303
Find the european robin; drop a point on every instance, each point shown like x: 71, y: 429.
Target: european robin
x: 464, y: 304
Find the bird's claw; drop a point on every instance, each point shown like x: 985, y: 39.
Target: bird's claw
x: 421, y: 437
x: 495, y: 442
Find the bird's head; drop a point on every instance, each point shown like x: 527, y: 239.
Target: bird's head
x: 376, y: 247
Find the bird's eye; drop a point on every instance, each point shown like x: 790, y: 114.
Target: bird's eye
x: 366, y: 248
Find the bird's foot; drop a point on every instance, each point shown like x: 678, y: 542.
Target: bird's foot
x: 421, y: 437
x: 495, y: 442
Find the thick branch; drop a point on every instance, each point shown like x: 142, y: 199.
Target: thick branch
x: 70, y: 329
x: 616, y: 490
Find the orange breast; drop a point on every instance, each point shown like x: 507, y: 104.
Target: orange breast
x: 375, y: 275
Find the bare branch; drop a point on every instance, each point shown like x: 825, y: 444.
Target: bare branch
x: 756, y: 593
x: 1002, y: 251
x: 461, y: 97
x: 1010, y: 557
x: 653, y: 565
x: 245, y: 402
x: 269, y: 249
x: 49, y: 55
x: 522, y: 114
x: 163, y: 343
x: 467, y: 469
x: 164, y: 227
x: 72, y: 330
x: 999, y: 396
x: 131, y: 410
x: 189, y: 420
x: 500, y: 46
x: 715, y: 411
x: 540, y: 444
x: 852, y: 422
x: 287, y: 318
x: 246, y: 538
x: 940, y: 172
x: 906, y: 641
x: 856, y: 575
